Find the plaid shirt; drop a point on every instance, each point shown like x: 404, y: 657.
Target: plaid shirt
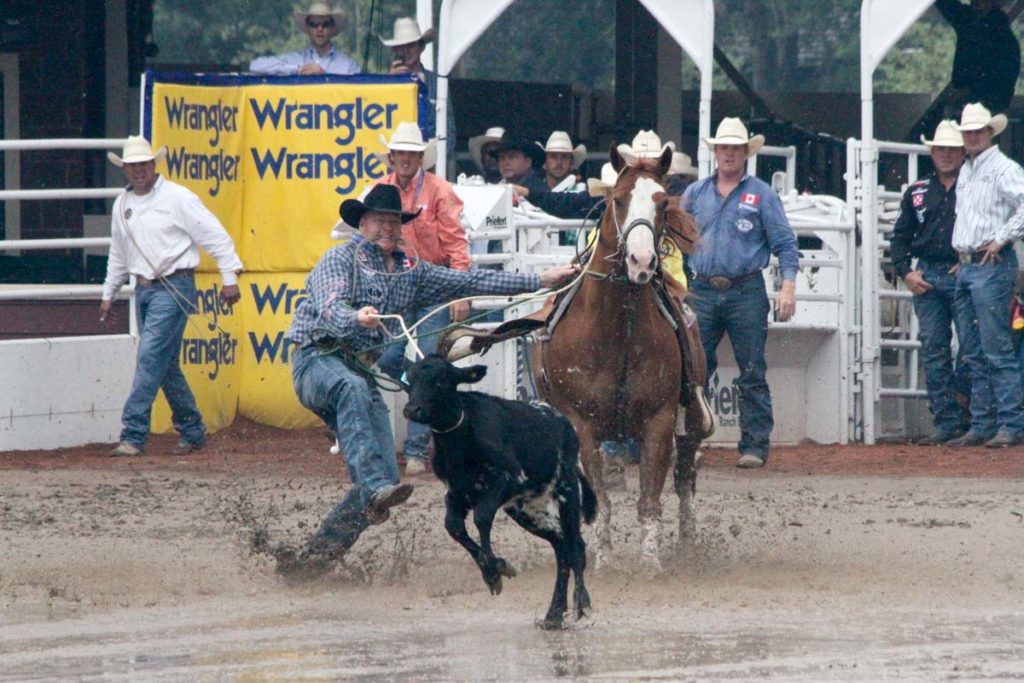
x: 338, y: 287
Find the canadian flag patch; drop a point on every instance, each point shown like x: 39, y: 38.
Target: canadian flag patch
x: 750, y: 199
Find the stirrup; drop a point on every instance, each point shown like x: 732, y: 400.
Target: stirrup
x: 707, y: 417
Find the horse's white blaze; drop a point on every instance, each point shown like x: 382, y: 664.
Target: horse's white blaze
x: 641, y: 252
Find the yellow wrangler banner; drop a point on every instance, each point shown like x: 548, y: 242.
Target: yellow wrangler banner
x: 274, y: 157
x: 267, y: 396
x: 210, y: 358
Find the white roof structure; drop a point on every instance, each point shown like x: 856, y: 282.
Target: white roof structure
x: 882, y: 24
x: 690, y: 22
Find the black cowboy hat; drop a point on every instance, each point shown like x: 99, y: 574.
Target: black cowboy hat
x: 513, y: 142
x: 383, y: 198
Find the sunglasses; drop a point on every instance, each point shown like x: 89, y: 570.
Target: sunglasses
x: 320, y: 23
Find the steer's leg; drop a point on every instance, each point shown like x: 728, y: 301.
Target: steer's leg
x: 492, y: 567
x: 560, y: 598
x: 455, y: 524
x: 576, y: 549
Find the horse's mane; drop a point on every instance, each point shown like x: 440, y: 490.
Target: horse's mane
x: 680, y: 225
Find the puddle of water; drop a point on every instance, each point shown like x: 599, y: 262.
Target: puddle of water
x: 309, y: 640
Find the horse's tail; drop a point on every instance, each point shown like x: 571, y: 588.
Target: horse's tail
x: 589, y: 498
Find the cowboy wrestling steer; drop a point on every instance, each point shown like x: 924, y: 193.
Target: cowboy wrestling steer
x: 494, y: 454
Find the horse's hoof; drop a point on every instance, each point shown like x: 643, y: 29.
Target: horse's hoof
x: 551, y: 623
x: 651, y: 566
x: 504, y: 568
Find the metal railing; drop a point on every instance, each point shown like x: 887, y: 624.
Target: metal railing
x: 29, y: 291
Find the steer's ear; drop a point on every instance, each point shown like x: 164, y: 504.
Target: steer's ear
x: 470, y: 375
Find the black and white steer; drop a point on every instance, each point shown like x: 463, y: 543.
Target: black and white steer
x: 495, y: 454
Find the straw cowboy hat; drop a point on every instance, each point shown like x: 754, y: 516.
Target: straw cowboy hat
x: 406, y: 32
x: 559, y: 141
x: 383, y: 198
x: 976, y: 117
x: 409, y: 138
x: 476, y: 143
x: 598, y: 186
x: 731, y: 131
x: 646, y: 145
x: 946, y: 135
x: 318, y: 9
x: 681, y: 165
x: 136, y: 150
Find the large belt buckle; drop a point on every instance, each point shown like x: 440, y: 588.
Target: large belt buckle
x: 142, y: 281
x: 965, y: 258
x: 720, y: 282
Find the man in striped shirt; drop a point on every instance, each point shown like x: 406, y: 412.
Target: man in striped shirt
x: 337, y: 333
x: 990, y: 217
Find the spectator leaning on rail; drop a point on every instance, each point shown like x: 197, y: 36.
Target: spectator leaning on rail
x: 436, y: 236
x: 742, y: 223
x: 924, y: 230
x: 407, y: 43
x: 987, y: 59
x: 560, y: 193
x: 337, y: 335
x: 156, y: 229
x: 990, y: 217
x: 321, y: 23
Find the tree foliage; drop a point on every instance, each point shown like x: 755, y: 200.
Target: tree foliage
x: 778, y: 45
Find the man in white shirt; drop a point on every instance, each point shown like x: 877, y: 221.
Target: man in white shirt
x: 321, y: 23
x: 156, y: 230
x: 990, y: 217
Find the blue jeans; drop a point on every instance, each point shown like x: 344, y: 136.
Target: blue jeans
x: 354, y: 410
x: 392, y: 363
x: 936, y: 314
x: 742, y: 312
x: 983, y: 294
x: 162, y: 315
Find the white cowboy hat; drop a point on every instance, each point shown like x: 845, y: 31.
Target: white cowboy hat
x: 318, y: 9
x: 976, y: 117
x: 136, y: 150
x: 559, y: 141
x: 946, y: 135
x: 731, y: 131
x: 646, y: 145
x: 681, y: 165
x: 406, y: 32
x: 598, y: 186
x: 408, y: 137
x: 477, y: 143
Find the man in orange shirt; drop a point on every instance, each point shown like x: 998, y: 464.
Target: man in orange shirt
x: 435, y: 236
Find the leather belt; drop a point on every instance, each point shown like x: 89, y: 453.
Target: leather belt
x: 967, y: 258
x: 141, y: 281
x: 722, y: 283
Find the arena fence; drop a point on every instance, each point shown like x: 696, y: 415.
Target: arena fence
x: 814, y: 360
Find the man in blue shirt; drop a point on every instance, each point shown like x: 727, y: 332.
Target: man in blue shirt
x: 742, y: 224
x: 338, y: 334
x: 321, y: 23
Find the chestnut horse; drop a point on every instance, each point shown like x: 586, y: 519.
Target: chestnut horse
x: 612, y: 364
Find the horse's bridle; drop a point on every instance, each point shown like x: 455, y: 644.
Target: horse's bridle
x: 619, y: 255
